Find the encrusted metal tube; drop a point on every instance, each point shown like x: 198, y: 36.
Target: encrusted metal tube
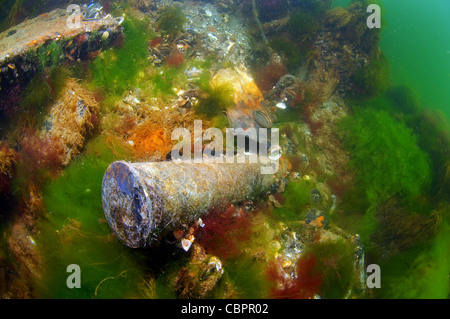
x: 143, y: 201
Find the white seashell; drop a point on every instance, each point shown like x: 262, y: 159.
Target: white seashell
x: 186, y: 244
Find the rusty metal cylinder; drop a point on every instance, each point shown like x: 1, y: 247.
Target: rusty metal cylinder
x: 144, y: 201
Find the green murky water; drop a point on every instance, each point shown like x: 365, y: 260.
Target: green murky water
x: 415, y: 39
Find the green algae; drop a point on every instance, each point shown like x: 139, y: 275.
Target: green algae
x: 288, y: 115
x: 335, y: 264
x: 37, y: 95
x: 373, y: 79
x: 419, y: 273
x: 172, y: 20
x: 302, y: 25
x: 218, y: 96
x: 220, y: 122
x: 403, y: 99
x: 430, y: 126
x: 385, y: 156
x: 291, y: 52
x: 433, y: 131
x: 164, y: 81
x: 245, y: 276
x: 116, y: 70
x: 400, y: 101
x: 82, y: 236
x: 297, y: 196
x: 43, y: 88
x: 164, y: 285
x: 50, y: 56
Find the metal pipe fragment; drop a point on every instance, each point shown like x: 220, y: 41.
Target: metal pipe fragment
x: 144, y: 201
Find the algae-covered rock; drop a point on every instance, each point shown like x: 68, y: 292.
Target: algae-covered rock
x: 71, y: 119
x: 7, y: 159
x: 40, y: 44
x: 338, y: 17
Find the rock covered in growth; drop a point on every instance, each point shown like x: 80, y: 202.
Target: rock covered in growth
x: 200, y: 276
x: 51, y: 26
x: 339, y: 17
x: 70, y: 120
x: 28, y: 262
x: 43, y: 42
x: 342, y: 46
x: 8, y: 159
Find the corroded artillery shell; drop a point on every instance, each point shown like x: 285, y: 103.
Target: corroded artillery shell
x: 144, y: 201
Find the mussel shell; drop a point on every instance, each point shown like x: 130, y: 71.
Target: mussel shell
x: 262, y: 119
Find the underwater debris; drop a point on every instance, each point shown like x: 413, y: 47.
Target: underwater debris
x: 202, y: 37
x: 39, y: 155
x: 335, y: 57
x: 338, y: 17
x: 142, y: 5
x: 71, y: 119
x: 289, y: 92
x: 255, y: 13
x: 302, y: 25
x: 142, y: 201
